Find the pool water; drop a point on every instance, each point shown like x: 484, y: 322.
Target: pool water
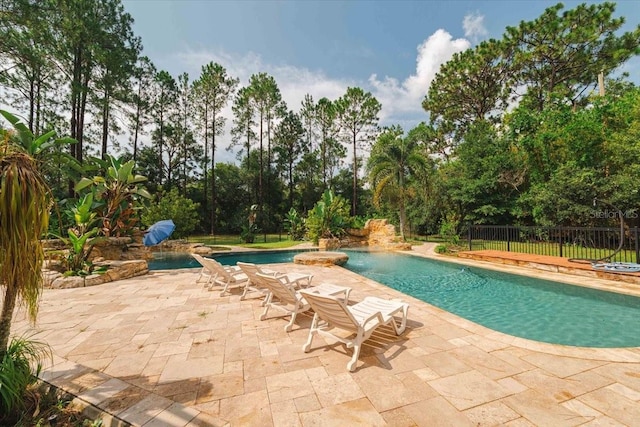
x: 173, y: 260
x: 522, y: 306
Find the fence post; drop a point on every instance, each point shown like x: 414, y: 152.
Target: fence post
x: 635, y: 236
x: 508, y: 228
x: 469, y: 237
x: 560, y: 243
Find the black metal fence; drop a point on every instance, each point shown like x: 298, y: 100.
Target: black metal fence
x: 589, y: 243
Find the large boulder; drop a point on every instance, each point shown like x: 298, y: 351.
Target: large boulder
x: 383, y: 235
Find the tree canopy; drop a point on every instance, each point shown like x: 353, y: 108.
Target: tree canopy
x: 508, y: 124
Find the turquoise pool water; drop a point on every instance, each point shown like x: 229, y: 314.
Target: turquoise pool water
x: 173, y: 260
x: 517, y: 305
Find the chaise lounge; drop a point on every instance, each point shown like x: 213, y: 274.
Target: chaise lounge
x: 361, y: 319
x: 284, y: 297
x: 256, y: 284
x: 222, y: 275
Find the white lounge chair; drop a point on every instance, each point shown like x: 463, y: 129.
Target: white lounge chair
x: 255, y: 283
x: 227, y: 277
x: 284, y: 297
x: 204, y: 271
x: 361, y: 319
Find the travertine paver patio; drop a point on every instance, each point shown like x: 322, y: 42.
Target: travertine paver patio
x: 159, y: 350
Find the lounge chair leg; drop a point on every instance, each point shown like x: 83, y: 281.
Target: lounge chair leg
x: 244, y: 294
x: 400, y: 329
x: 289, y: 326
x: 267, y: 304
x: 351, y: 366
x: 312, y: 330
x: 225, y: 288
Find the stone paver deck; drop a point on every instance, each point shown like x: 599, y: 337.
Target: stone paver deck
x: 160, y: 350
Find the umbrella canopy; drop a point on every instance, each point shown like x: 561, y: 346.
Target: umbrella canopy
x: 158, y: 232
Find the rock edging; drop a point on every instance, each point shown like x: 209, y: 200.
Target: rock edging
x: 117, y: 270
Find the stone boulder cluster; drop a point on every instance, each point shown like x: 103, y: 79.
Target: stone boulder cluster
x: 376, y: 233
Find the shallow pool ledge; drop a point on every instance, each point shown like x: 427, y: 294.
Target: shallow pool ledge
x: 321, y: 258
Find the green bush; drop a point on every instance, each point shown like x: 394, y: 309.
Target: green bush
x: 248, y: 233
x: 81, y: 237
x: 448, y: 232
x: 328, y: 218
x: 171, y: 205
x: 441, y: 249
x: 294, y: 224
x: 19, y: 368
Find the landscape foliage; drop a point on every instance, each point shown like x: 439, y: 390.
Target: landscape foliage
x: 529, y: 128
x: 508, y: 122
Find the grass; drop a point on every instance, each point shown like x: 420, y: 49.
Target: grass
x: 551, y: 249
x: 272, y: 241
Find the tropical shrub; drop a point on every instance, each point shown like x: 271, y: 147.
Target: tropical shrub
x: 118, y: 195
x: 441, y: 249
x: 24, y: 218
x: 328, y: 218
x: 250, y: 229
x: 248, y: 233
x: 294, y: 224
x: 172, y: 205
x: 81, y: 238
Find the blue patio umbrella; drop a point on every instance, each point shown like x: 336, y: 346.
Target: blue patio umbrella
x: 158, y: 232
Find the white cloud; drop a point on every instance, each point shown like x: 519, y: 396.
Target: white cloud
x: 473, y: 25
x: 405, y: 99
x: 293, y: 82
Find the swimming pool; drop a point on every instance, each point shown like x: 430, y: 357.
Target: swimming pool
x: 521, y: 306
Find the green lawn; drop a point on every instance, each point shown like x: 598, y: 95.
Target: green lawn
x: 551, y: 249
x: 272, y: 241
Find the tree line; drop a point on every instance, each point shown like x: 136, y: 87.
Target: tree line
x: 535, y: 126
x: 78, y: 65
x: 514, y: 133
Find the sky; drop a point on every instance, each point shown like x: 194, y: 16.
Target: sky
x: 392, y: 49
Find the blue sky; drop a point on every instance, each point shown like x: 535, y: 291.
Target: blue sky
x: 390, y: 48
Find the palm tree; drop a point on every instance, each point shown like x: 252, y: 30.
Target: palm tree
x: 393, y: 161
x: 24, y: 218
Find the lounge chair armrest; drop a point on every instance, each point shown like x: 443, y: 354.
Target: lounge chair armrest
x: 376, y: 315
